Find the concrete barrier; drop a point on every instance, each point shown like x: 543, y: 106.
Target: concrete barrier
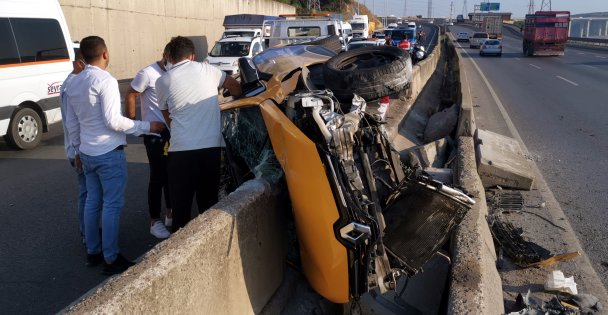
x: 136, y: 32
x: 475, y: 285
x: 228, y: 260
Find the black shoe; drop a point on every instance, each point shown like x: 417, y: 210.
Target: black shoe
x: 119, y: 265
x: 94, y: 259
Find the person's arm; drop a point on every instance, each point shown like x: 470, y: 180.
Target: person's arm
x: 167, y: 117
x: 109, y: 97
x: 73, y: 129
x: 162, y: 96
x: 130, y: 102
x: 233, y: 86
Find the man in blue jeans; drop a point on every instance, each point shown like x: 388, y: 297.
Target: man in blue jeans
x: 97, y: 131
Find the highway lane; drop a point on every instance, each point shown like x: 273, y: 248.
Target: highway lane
x: 558, y: 107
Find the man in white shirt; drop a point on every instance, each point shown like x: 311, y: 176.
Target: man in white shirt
x: 188, y: 98
x: 143, y: 85
x: 97, y: 131
x: 77, y: 65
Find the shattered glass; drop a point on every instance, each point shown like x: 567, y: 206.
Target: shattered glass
x: 247, y: 142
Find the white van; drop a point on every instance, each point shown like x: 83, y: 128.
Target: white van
x: 35, y: 57
x: 227, y: 51
x: 299, y: 30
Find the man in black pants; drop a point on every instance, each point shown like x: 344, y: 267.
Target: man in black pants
x: 188, y: 98
x: 143, y: 85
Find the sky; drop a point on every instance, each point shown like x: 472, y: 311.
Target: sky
x: 441, y: 8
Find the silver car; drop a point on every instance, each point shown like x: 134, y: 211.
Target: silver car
x: 491, y: 47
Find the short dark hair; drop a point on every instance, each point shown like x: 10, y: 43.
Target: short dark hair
x: 92, y: 48
x: 180, y: 47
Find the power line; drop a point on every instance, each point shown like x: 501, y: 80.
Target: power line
x: 430, y: 9
x: 531, y: 7
x: 464, y: 8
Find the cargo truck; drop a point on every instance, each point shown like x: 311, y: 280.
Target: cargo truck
x: 360, y: 25
x: 545, y: 33
x: 492, y: 25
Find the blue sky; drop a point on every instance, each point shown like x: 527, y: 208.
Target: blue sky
x: 441, y: 8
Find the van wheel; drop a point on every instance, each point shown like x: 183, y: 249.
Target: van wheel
x: 25, y: 129
x: 370, y: 72
x: 330, y: 42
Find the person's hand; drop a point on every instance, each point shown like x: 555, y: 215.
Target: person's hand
x: 78, y: 164
x: 157, y: 126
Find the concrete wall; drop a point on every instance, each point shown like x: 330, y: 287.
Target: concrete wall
x: 229, y: 260
x: 136, y: 31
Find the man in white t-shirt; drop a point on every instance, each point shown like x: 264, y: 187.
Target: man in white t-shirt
x: 188, y: 98
x: 143, y: 85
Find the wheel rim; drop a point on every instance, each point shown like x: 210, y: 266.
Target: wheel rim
x: 27, y: 129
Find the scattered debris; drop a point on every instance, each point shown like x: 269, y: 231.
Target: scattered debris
x: 508, y: 201
x: 552, y: 260
x: 556, y: 281
x: 588, y: 304
x: 510, y: 240
x: 558, y: 305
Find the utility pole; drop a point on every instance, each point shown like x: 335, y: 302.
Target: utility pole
x: 546, y: 5
x: 451, y: 10
x: 404, y: 8
x: 464, y: 8
x: 531, y: 7
x: 430, y: 9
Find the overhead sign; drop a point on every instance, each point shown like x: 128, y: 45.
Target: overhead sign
x: 489, y: 6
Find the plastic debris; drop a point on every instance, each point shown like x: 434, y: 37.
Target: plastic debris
x: 556, y: 281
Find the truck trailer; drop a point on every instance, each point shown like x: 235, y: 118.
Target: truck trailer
x: 492, y: 25
x: 545, y: 33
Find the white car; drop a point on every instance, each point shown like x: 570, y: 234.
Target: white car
x: 365, y: 43
x: 462, y: 37
x: 491, y: 47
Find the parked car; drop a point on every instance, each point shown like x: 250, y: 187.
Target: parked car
x: 362, y: 219
x: 491, y: 47
x: 477, y: 39
x: 365, y: 43
x: 462, y: 37
x: 226, y: 52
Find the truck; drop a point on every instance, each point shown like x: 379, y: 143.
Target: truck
x: 360, y: 25
x: 242, y: 37
x: 545, y: 33
x: 300, y: 29
x: 460, y: 18
x: 492, y: 24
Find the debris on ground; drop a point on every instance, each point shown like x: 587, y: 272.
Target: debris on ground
x: 581, y: 304
x: 512, y: 243
x: 556, y: 281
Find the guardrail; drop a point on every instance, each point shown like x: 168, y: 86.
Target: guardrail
x: 590, y: 42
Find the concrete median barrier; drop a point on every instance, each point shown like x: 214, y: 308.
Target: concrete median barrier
x: 228, y: 260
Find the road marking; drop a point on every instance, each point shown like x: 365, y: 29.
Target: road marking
x: 581, y: 53
x: 501, y: 108
x: 517, y: 58
x: 592, y: 67
x: 535, y: 66
x: 573, y: 83
x: 601, y: 57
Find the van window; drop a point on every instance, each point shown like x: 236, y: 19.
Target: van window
x: 302, y: 31
x: 480, y: 35
x: 331, y: 30
x: 256, y: 48
x: 39, y: 39
x: 8, y: 53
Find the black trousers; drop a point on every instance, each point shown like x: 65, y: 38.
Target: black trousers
x: 193, y: 173
x: 159, y: 179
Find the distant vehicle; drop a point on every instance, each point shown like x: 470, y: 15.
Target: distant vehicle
x: 477, y: 39
x: 459, y: 18
x: 36, y: 55
x: 300, y: 29
x: 462, y: 37
x: 546, y: 33
x: 491, y: 47
x: 451, y: 23
x: 432, y: 21
x: 379, y: 34
x: 411, y: 25
x: 393, y: 25
x: 360, y: 25
x: 227, y: 51
x: 365, y: 43
x: 492, y: 25
x: 346, y: 34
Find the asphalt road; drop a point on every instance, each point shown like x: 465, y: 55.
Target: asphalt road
x: 42, y: 261
x: 558, y: 108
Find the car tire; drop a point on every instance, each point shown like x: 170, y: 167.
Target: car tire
x: 370, y: 72
x: 25, y: 129
x: 480, y: 53
x: 500, y: 55
x: 330, y: 42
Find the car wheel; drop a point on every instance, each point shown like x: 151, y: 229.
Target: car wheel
x: 480, y: 53
x: 25, y: 129
x: 499, y: 54
x: 370, y: 72
x: 330, y: 42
